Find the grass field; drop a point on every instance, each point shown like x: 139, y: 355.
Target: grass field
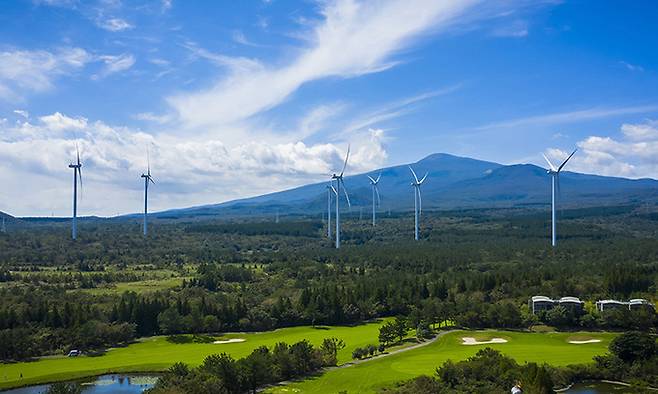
x: 551, y: 348
x: 142, y: 286
x: 157, y: 354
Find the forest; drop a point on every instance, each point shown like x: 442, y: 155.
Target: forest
x: 476, y: 268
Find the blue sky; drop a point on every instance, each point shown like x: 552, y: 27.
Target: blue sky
x: 234, y: 99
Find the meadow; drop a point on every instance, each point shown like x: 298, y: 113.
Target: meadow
x: 157, y: 353
x: 550, y: 348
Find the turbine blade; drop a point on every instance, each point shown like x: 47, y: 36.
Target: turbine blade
x: 423, y: 180
x: 347, y: 156
x: 420, y: 202
x: 565, y: 162
x: 148, y: 162
x: 414, y: 174
x: 77, y: 152
x: 371, y: 180
x: 80, y: 179
x: 347, y: 197
x: 378, y: 177
x: 333, y: 189
x: 550, y: 165
x: 379, y: 200
x: 151, y: 179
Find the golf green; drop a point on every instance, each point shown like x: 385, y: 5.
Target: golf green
x: 551, y: 348
x: 157, y: 354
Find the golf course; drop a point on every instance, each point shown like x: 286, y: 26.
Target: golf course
x: 157, y: 353
x: 551, y: 348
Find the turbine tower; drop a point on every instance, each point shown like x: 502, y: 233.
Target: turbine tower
x: 555, y: 185
x: 339, y: 181
x: 418, y: 201
x: 76, y: 171
x: 375, y: 192
x: 330, y: 190
x: 147, y: 178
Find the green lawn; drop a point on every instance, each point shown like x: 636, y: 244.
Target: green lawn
x: 157, y: 354
x: 141, y: 286
x: 551, y: 348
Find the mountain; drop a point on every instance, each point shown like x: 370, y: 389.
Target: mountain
x: 453, y: 182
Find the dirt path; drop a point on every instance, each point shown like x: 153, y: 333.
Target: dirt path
x: 381, y: 355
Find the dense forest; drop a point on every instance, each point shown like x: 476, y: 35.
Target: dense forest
x: 477, y: 268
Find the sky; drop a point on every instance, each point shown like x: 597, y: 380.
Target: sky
x: 234, y: 99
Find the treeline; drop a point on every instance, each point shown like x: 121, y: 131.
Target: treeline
x: 220, y: 373
x: 22, y: 343
x: 288, y: 228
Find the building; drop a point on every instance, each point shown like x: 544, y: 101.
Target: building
x: 606, y: 305
x: 541, y: 303
x: 639, y: 303
x: 572, y: 303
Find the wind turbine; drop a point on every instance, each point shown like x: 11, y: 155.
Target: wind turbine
x: 555, y: 184
x: 339, y: 181
x: 76, y: 171
x: 147, y: 178
x: 375, y: 192
x: 418, y: 201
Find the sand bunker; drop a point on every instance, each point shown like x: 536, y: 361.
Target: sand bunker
x: 584, y: 342
x: 472, y: 341
x: 232, y: 340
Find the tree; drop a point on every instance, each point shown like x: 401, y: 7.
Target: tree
x: 387, y: 333
x: 170, y: 321
x: 400, y: 328
x: 330, y: 348
x: 632, y: 346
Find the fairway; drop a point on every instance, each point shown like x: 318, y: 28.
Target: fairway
x: 551, y: 348
x: 157, y: 354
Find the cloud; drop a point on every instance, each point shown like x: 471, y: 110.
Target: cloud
x: 115, y: 64
x: 631, y: 67
x: 569, y: 117
x: 113, y: 24
x: 23, y: 71
x: 352, y: 39
x: 514, y: 29
x: 22, y: 113
x: 188, y: 171
x: 151, y: 117
x: 634, y: 155
x: 166, y: 5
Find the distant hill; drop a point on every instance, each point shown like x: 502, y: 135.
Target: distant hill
x: 453, y: 182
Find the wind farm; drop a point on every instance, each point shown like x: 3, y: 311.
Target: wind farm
x: 337, y: 196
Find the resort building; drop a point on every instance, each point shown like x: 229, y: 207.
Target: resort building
x: 572, y: 303
x: 639, y: 303
x: 606, y: 305
x: 541, y: 303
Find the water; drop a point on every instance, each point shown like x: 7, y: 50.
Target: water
x: 105, y: 384
x: 599, y: 388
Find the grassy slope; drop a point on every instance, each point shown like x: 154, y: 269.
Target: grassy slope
x: 157, y: 354
x: 551, y: 348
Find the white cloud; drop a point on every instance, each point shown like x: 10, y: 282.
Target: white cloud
x: 514, y: 29
x: 151, y: 117
x: 631, y: 67
x: 634, y: 155
x: 22, y: 113
x: 569, y: 117
x: 351, y: 40
x: 115, y: 64
x: 166, y: 5
x: 188, y: 171
x: 23, y: 71
x: 113, y: 24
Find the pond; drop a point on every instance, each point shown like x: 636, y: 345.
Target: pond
x: 105, y: 384
x: 599, y: 388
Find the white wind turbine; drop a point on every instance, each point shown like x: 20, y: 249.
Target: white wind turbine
x: 555, y: 186
x: 339, y: 181
x: 147, y: 178
x: 76, y: 171
x: 418, y: 201
x: 375, y: 193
